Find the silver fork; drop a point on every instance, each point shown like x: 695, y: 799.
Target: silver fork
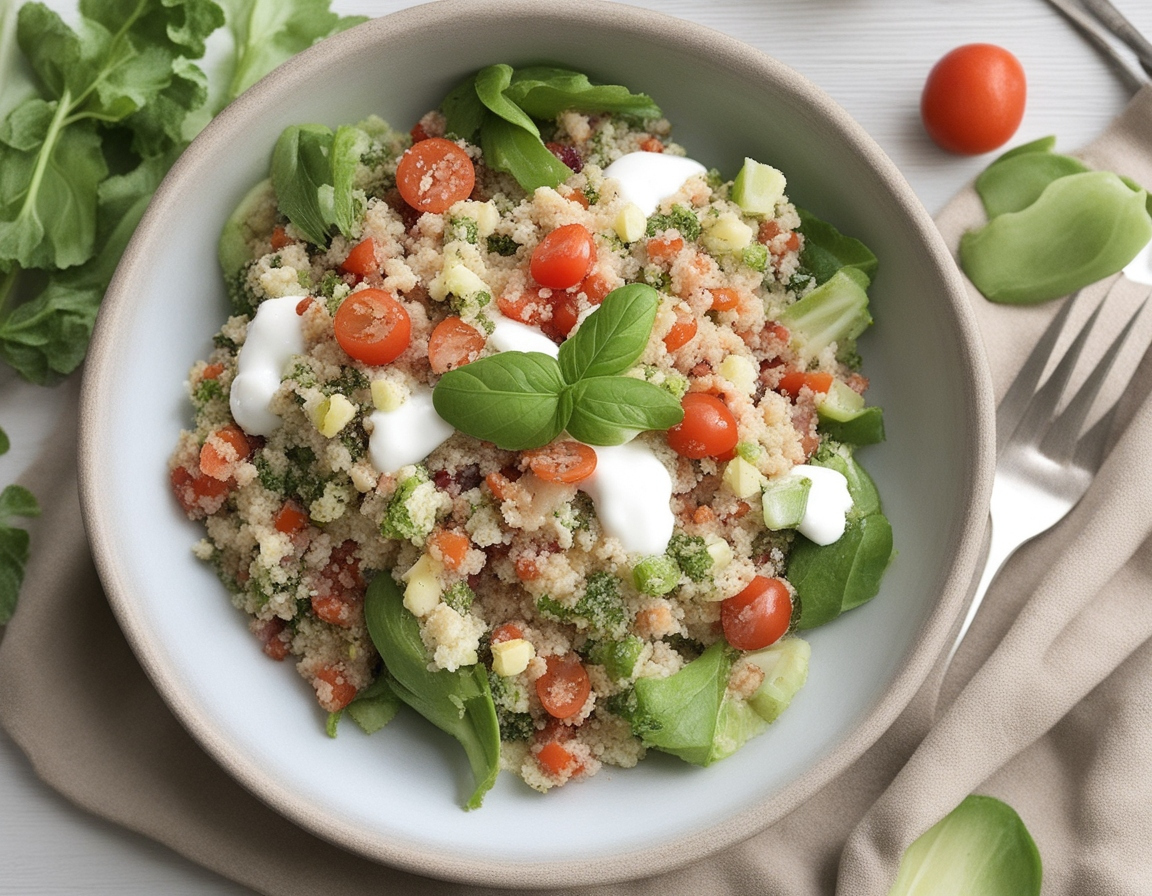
x: 1044, y: 461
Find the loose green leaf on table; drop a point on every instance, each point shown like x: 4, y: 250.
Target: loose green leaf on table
x: 269, y: 32
x: 459, y: 703
x: 980, y: 848
x: 15, y: 501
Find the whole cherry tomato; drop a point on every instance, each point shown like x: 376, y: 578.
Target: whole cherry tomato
x: 707, y: 430
x: 758, y: 615
x: 973, y: 100
x: 563, y: 257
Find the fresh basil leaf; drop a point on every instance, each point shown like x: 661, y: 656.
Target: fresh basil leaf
x: 610, y: 410
x: 611, y: 339
x: 15, y: 501
x: 5, y: 444
x: 458, y: 703
x: 511, y: 399
x: 301, y: 166
x: 691, y: 715
x: 463, y: 111
x: 826, y: 250
x: 512, y: 149
x: 347, y: 146
x: 490, y: 85
x: 544, y: 92
x: 375, y: 706
x: 268, y: 32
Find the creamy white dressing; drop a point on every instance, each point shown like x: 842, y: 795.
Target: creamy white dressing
x: 828, y: 503
x: 647, y: 177
x: 274, y: 336
x: 512, y: 336
x: 407, y: 434
x: 632, y: 492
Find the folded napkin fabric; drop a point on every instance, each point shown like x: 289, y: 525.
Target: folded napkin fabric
x: 1048, y: 704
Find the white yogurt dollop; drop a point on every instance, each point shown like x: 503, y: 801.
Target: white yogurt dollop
x: 274, y: 336
x: 407, y: 434
x: 647, y: 177
x: 512, y: 336
x: 632, y: 492
x: 828, y: 504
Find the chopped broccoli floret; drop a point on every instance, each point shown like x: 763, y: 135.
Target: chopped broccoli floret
x: 406, y: 517
x: 681, y: 218
x: 691, y: 554
x: 240, y: 297
x: 599, y: 608
x: 349, y: 380
x: 617, y: 657
x: 656, y: 575
x: 755, y: 257
x: 459, y: 597
x: 465, y: 229
x: 502, y: 244
x: 208, y: 390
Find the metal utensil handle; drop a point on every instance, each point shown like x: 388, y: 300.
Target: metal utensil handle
x: 1133, y: 77
x: 1112, y: 19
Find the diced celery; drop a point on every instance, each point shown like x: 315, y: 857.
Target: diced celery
x: 785, y: 668
x: 785, y: 501
x: 758, y: 187
x: 863, y: 427
x: 835, y: 311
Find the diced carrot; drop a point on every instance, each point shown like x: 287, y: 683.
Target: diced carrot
x: 526, y: 569
x: 528, y: 307
x: 651, y: 144
x: 279, y: 238
x: 595, y: 287
x: 768, y: 231
x: 724, y: 298
x: 703, y: 515
x: 682, y: 331
x: 500, y: 486
x: 333, y: 689
x: 509, y: 631
x: 361, y: 260
x: 212, y: 371
x: 418, y: 133
x: 222, y: 451
x: 290, y: 518
x: 451, y: 544
x: 555, y: 759
x: 664, y: 248
x: 793, y: 381
x: 303, y: 305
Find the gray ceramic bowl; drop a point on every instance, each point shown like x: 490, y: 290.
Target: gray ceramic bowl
x: 395, y: 796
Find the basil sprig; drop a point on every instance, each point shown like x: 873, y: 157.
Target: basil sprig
x: 521, y: 400
x: 503, y: 104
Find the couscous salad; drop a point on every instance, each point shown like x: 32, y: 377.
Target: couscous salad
x: 529, y: 421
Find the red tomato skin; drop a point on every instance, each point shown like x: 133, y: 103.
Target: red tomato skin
x: 434, y: 174
x: 564, y: 257
x: 757, y: 616
x: 973, y: 99
x: 707, y: 430
x: 371, y: 326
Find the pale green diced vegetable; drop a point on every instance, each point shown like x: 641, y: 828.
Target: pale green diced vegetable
x: 785, y: 668
x: 785, y: 501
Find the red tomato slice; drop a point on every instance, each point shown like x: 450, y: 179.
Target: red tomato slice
x: 564, y: 257
x: 371, y: 326
x: 707, y: 430
x: 758, y: 615
x: 565, y: 461
x: 434, y: 174
x: 454, y: 343
x: 564, y: 687
x: 361, y: 261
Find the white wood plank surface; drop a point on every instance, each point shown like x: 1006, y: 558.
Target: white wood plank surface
x: 869, y: 55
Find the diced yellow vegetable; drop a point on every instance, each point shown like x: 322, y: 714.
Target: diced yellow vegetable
x: 719, y: 550
x: 333, y: 414
x: 741, y: 372
x: 422, y: 589
x: 630, y: 223
x: 485, y: 214
x: 758, y: 187
x: 511, y: 657
x: 387, y: 395
x: 726, y: 234
x: 743, y: 479
x: 456, y: 279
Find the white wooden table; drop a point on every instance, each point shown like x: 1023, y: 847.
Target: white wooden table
x: 869, y: 55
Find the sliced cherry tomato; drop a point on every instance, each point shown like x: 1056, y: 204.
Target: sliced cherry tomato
x: 434, y: 174
x: 453, y: 344
x: 758, y: 615
x: 682, y: 331
x: 452, y: 545
x: 595, y: 287
x: 527, y: 307
x: 973, y: 100
x: 361, y: 261
x: 707, y: 430
x: 371, y: 326
x: 564, y: 687
x: 793, y: 381
x: 564, y: 257
x: 221, y: 452
x: 563, y: 461
x: 565, y: 313
x: 724, y: 298
x: 555, y: 759
x: 197, y: 492
x: 509, y: 631
x: 290, y: 518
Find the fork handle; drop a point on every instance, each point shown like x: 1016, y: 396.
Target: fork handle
x: 1001, y: 547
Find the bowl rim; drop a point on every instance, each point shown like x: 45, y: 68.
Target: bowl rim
x: 978, y: 417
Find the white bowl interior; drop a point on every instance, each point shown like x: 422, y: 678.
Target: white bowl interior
x: 396, y: 795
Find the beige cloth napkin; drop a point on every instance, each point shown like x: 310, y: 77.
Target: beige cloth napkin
x: 1048, y: 704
